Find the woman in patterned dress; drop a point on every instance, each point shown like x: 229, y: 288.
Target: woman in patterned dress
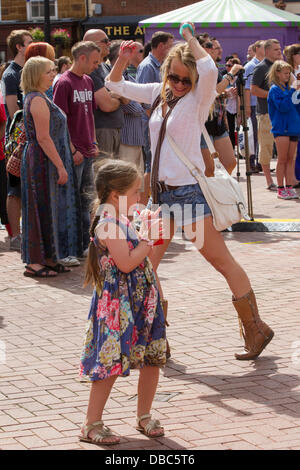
x: 49, y: 209
x: 126, y: 327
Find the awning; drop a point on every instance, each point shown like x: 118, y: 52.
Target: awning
x: 224, y: 13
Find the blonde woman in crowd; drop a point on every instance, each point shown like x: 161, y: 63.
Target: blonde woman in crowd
x: 49, y: 209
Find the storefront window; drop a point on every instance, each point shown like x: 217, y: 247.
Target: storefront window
x: 35, y: 9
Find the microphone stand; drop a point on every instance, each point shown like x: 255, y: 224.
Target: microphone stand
x: 240, y: 83
x: 238, y: 174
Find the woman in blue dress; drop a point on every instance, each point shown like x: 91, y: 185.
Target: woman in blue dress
x: 50, y: 211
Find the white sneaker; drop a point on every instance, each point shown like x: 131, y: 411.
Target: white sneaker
x: 292, y: 193
x: 282, y: 193
x: 70, y: 261
x: 15, y: 243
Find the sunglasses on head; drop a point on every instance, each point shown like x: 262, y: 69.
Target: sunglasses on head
x: 175, y: 79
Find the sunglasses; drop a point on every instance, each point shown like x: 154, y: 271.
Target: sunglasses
x: 106, y: 40
x: 228, y: 65
x: 175, y: 79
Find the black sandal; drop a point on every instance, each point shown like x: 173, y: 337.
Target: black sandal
x: 43, y: 272
x: 59, y: 268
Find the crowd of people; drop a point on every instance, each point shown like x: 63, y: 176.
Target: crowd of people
x: 101, y: 122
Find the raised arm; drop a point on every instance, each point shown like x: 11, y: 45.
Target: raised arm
x: 142, y: 93
x: 207, y: 70
x: 197, y: 50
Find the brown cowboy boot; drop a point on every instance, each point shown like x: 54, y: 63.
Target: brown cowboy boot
x: 164, y: 304
x: 256, y: 333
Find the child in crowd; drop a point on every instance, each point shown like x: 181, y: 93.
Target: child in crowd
x: 126, y: 328
x: 284, y: 111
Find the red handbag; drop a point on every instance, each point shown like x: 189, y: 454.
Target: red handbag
x: 14, y: 162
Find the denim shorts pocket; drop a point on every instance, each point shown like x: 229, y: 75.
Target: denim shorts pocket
x: 184, y: 194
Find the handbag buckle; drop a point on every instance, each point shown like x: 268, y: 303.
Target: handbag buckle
x: 241, y: 207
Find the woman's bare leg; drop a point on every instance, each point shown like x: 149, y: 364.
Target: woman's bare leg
x: 226, y: 153
x: 158, y: 252
x: 217, y: 254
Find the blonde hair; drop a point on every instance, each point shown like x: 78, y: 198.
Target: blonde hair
x: 31, y: 73
x: 278, y: 66
x: 183, y: 53
x: 112, y: 175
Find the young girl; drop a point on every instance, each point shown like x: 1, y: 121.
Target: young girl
x: 285, y: 117
x: 126, y: 328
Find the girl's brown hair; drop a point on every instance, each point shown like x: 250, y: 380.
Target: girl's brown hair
x: 278, y: 66
x: 112, y: 175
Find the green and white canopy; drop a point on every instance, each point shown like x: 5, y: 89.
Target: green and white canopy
x: 224, y: 13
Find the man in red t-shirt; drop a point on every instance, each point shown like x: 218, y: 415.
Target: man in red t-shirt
x: 74, y: 94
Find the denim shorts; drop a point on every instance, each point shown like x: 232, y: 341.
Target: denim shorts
x: 185, y: 205
x: 203, y: 144
x: 293, y: 138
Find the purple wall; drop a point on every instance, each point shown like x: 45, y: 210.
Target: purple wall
x: 238, y: 39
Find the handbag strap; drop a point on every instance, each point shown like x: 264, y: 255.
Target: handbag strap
x: 210, y: 145
x: 208, y: 141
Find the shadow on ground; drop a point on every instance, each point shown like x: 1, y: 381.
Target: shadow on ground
x: 282, y: 397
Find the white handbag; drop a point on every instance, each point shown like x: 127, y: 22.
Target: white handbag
x: 222, y: 192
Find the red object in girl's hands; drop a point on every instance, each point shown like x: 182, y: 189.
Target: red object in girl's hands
x: 160, y: 241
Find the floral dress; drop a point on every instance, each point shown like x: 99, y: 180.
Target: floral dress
x: 126, y: 327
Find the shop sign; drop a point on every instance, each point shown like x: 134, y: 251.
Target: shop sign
x: 122, y: 31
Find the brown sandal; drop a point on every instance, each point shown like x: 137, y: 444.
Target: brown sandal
x: 43, y: 272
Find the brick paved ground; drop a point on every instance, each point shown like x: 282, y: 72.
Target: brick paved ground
x: 206, y: 399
